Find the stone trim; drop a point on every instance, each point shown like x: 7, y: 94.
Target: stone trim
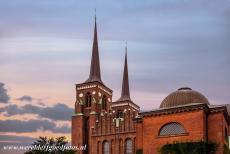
x: 169, y: 136
x: 116, y: 133
x: 93, y: 85
x: 123, y: 103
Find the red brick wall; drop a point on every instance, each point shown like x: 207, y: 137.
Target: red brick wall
x: 77, y: 131
x: 192, y: 121
x: 116, y: 141
x: 216, y: 129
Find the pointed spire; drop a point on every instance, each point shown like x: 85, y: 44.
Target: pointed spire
x: 125, y: 94
x: 95, y: 72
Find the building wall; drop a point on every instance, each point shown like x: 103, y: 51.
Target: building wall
x: 116, y: 141
x: 216, y: 130
x: 77, y: 131
x: 103, y: 125
x: 114, y: 130
x: 192, y: 121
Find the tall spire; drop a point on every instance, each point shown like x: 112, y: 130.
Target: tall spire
x: 125, y: 95
x: 95, y: 72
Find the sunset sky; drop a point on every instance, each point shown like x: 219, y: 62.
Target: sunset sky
x: 45, y: 48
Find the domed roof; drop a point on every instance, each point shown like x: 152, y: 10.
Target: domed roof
x: 183, y: 96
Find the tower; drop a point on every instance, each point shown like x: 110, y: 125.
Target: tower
x: 92, y: 97
x: 125, y: 110
x: 125, y: 102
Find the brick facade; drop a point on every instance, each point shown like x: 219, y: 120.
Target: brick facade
x: 200, y: 123
x: 103, y: 124
x: 118, y: 127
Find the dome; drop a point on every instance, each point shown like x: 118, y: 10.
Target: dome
x: 183, y: 96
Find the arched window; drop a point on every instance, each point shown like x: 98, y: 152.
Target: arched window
x: 172, y: 128
x: 128, y: 146
x: 88, y: 99
x: 104, y: 102
x: 106, y: 147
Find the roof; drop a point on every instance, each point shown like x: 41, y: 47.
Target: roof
x: 186, y: 108
x: 183, y: 96
x: 125, y: 93
x: 95, y: 72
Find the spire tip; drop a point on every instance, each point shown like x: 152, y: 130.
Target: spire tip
x: 125, y: 47
x: 95, y: 14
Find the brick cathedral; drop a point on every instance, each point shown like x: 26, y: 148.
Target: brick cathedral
x: 119, y: 127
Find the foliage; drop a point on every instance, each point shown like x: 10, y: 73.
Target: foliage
x: 226, y: 149
x: 189, y: 148
x: 139, y: 151
x: 49, y: 145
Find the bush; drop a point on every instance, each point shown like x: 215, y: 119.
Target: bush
x: 139, y: 151
x: 189, y: 148
x: 226, y: 149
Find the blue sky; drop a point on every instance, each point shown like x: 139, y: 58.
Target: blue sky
x: 45, y: 48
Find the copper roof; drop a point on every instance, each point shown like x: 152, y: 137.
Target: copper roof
x: 95, y: 72
x: 183, y: 96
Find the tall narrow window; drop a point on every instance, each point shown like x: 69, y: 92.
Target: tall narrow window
x: 128, y: 146
x: 86, y: 134
x: 106, y: 147
x: 88, y: 99
x: 226, y: 136
x: 104, y: 102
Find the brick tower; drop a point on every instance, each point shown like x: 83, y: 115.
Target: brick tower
x: 102, y: 125
x: 92, y: 98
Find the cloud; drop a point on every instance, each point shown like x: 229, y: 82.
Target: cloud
x: 16, y: 139
x: 11, y: 109
x: 31, y: 126
x: 57, y: 112
x: 2, y: 110
x: 25, y: 98
x: 4, y: 97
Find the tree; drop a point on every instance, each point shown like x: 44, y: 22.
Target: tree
x: 46, y: 145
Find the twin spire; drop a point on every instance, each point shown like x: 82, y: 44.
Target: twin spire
x: 95, y: 72
x: 125, y: 94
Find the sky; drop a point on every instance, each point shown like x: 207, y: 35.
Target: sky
x: 46, y: 45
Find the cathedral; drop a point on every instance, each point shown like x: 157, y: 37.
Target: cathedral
x: 119, y: 127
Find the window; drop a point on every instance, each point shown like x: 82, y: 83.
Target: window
x: 86, y: 135
x: 106, y: 147
x: 226, y: 135
x: 88, y: 99
x: 128, y: 146
x: 104, y: 101
x: 119, y: 114
x: 172, y: 128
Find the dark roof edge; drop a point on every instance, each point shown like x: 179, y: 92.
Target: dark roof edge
x: 188, y: 107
